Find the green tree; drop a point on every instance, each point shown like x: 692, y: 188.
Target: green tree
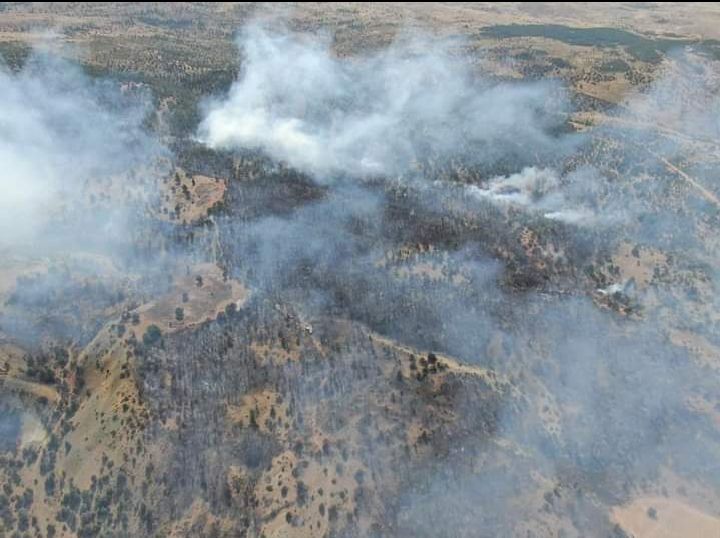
x: 152, y: 335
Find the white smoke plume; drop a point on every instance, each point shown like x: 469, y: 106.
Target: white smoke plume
x: 375, y: 114
x: 683, y: 102
x: 569, y: 199
x: 60, y: 130
x: 525, y: 188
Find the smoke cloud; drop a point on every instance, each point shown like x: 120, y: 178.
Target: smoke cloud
x: 377, y: 114
x: 80, y: 175
x: 67, y: 142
